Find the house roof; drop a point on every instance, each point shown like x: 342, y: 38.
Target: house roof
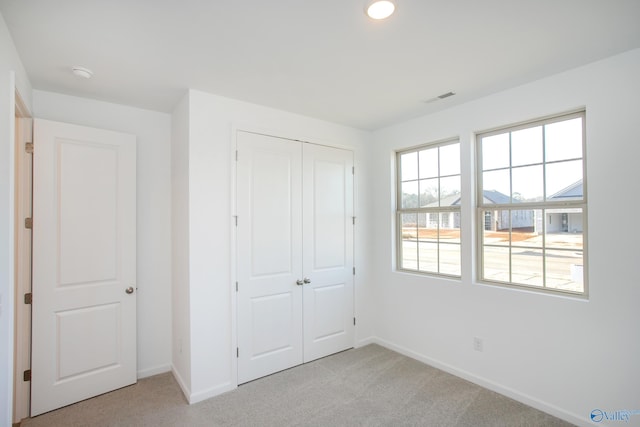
x: 493, y: 196
x: 574, y: 191
x: 490, y: 196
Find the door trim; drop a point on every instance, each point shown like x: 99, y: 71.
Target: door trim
x: 22, y: 248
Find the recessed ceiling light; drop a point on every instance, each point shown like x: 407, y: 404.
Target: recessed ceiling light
x: 380, y: 9
x: 83, y: 72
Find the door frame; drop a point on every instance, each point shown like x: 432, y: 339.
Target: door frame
x: 233, y: 214
x: 22, y: 247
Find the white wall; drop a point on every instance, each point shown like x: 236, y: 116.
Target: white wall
x: 153, y: 132
x: 181, y: 347
x: 211, y: 119
x: 564, y: 355
x: 12, y: 77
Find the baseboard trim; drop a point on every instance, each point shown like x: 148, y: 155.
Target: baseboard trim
x: 211, y: 392
x: 149, y: 372
x: 183, y: 386
x: 488, y: 384
x: 365, y: 341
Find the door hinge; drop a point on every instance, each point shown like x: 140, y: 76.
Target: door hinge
x: 236, y: 155
x: 26, y: 375
x: 353, y: 170
x: 236, y: 218
x: 28, y: 298
x: 236, y: 286
x: 28, y: 223
x: 354, y: 271
x: 28, y: 148
x: 354, y: 321
x: 353, y: 219
x: 237, y: 352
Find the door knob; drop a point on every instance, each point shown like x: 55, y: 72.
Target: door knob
x: 299, y: 282
x: 306, y: 280
x: 129, y: 290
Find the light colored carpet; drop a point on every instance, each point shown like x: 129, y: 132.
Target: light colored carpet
x: 369, y: 386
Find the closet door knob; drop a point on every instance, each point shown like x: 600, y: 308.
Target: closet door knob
x: 306, y: 280
x: 299, y: 282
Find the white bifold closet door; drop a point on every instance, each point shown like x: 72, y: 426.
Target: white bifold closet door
x: 295, y: 253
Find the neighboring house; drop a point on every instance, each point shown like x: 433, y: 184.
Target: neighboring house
x: 557, y: 220
x: 494, y: 220
x: 498, y: 220
x: 566, y: 220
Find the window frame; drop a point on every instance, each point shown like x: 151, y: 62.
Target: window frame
x: 544, y: 204
x: 428, y: 211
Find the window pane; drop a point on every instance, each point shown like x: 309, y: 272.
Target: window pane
x: 563, y: 140
x: 495, y: 151
x: 450, y: 191
x: 526, y: 146
x: 526, y: 266
x: 409, y: 243
x: 528, y: 184
x: 564, y: 228
x: 409, y: 166
x: 450, y: 259
x: 450, y: 159
x: 428, y: 255
x: 564, y: 181
x: 429, y: 163
x: 564, y: 270
x: 495, y: 264
x: 409, y: 195
x: 496, y: 228
x: 429, y: 192
x: 432, y: 220
x: 526, y: 228
x: 496, y: 187
x: 450, y: 227
x: 428, y: 227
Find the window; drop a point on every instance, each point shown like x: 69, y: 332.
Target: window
x: 428, y: 209
x: 533, y: 205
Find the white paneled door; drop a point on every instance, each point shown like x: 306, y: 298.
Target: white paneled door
x: 84, y: 264
x: 328, y: 250
x: 295, y: 253
x: 269, y: 258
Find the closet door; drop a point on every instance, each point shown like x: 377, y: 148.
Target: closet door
x: 295, y: 253
x: 269, y: 258
x: 328, y: 250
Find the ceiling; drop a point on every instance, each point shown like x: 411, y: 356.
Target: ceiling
x: 323, y: 59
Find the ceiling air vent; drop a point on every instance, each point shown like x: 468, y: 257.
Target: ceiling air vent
x: 439, y: 97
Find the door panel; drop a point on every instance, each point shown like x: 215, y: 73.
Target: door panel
x: 272, y: 316
x: 97, y: 328
x: 88, y: 189
x: 271, y: 213
x: 327, y: 311
x: 84, y: 258
x: 269, y: 255
x: 328, y: 250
